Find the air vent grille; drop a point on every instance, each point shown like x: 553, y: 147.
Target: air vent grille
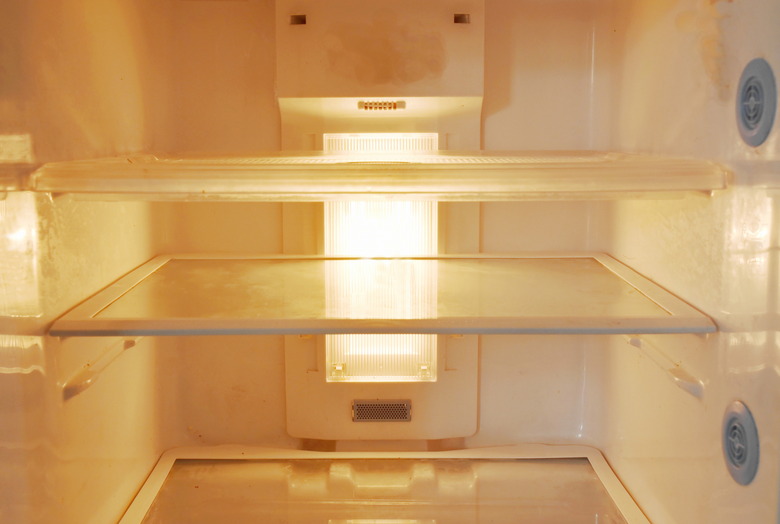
x: 756, y: 102
x: 736, y: 447
x: 381, y: 105
x: 740, y: 443
x: 752, y: 103
x: 381, y: 410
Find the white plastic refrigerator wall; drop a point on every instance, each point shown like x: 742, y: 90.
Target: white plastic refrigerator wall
x: 83, y: 79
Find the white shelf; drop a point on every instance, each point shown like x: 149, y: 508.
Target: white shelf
x: 554, y: 294
x: 446, y: 176
x: 529, y: 483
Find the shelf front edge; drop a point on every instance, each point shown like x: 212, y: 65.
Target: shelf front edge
x: 443, y: 326
x: 615, y: 175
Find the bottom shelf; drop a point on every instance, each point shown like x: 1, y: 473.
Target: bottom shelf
x: 540, y: 484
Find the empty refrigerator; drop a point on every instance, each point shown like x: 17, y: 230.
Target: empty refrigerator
x: 605, y: 249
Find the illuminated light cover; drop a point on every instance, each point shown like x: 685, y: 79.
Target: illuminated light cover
x: 356, y: 289
x: 377, y: 144
x: 381, y: 358
x: 381, y: 229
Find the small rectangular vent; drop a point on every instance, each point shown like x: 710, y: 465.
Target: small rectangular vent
x: 381, y: 410
x: 381, y: 105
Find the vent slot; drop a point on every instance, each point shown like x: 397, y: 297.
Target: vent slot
x: 372, y: 144
x: 381, y: 410
x: 381, y: 105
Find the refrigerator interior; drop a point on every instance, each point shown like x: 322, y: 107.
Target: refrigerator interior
x: 85, y: 419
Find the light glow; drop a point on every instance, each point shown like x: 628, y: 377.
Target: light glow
x: 377, y: 289
x: 381, y: 229
x: 374, y: 146
x: 381, y: 289
x: 381, y: 358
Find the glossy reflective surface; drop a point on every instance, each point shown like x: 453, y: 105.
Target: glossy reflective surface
x: 102, y: 79
x: 542, y: 491
x: 467, y: 176
x: 580, y: 287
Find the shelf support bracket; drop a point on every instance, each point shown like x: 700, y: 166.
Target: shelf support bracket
x: 90, y: 372
x: 679, y: 375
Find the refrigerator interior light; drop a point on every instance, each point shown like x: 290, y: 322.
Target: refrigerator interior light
x: 373, y: 146
x: 357, y: 289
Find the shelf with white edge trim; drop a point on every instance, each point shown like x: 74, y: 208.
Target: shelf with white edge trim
x: 443, y: 176
x: 501, y: 484
x: 550, y: 293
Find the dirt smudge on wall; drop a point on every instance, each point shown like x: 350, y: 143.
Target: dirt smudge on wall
x: 383, y: 51
x: 706, y: 23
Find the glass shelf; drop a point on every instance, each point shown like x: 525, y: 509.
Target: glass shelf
x: 445, y: 176
x: 200, y: 295
x: 386, y: 491
x: 529, y: 483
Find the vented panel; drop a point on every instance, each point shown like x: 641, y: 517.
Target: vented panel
x: 381, y: 105
x: 378, y: 143
x: 740, y: 443
x: 756, y: 102
x: 381, y: 410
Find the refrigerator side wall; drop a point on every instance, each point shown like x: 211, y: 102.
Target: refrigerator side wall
x: 77, y: 80
x: 720, y: 253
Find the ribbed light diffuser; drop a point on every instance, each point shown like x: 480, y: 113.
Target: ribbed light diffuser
x: 376, y: 289
x: 371, y: 144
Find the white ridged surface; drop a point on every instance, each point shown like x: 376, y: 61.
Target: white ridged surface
x: 412, y: 175
x: 381, y: 289
x: 359, y: 288
x: 381, y: 229
x: 378, y: 143
x: 381, y: 358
